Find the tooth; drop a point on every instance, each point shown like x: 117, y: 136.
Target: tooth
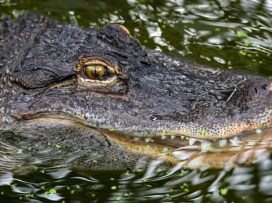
x: 136, y: 138
x: 192, y: 141
x: 182, y: 136
x: 258, y: 131
x: 251, y: 143
x: 163, y: 137
x: 235, y: 141
x: 261, y: 155
x: 205, y: 145
x: 223, y: 142
x: 173, y: 136
x: 241, y: 160
x: 165, y: 149
x: 182, y: 155
x: 147, y: 139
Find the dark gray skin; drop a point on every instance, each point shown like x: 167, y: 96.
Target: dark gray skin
x: 54, y: 113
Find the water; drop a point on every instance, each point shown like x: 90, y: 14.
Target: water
x: 224, y: 34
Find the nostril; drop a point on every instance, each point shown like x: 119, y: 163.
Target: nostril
x: 255, y: 90
x: 264, y: 86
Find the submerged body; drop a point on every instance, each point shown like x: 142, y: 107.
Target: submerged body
x: 96, y: 99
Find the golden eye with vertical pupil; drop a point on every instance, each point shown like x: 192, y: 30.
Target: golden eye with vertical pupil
x: 95, y: 71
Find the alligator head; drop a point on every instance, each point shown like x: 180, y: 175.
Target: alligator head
x: 95, y: 98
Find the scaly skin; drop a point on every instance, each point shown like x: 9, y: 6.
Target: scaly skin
x: 54, y: 113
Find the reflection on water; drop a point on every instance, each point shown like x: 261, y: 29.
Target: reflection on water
x: 230, y: 34
x: 251, y: 184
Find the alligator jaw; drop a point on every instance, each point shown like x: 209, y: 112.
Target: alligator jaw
x: 62, y: 142
x: 241, y: 150
x: 244, y: 149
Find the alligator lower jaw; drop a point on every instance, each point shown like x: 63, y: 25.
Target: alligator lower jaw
x: 241, y: 150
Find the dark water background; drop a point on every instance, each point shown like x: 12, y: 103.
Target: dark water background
x: 225, y: 34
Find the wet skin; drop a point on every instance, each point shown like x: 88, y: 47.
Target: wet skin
x: 94, y: 98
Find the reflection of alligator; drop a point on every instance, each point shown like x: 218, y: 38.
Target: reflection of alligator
x: 97, y: 99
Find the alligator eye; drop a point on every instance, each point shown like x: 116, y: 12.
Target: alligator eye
x: 95, y: 71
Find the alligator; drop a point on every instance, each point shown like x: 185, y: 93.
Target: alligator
x: 95, y: 99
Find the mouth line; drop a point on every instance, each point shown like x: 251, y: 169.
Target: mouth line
x: 172, y: 143
x: 241, y: 150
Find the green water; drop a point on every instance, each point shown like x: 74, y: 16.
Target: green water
x: 228, y: 34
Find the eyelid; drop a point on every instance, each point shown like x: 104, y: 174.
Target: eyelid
x: 39, y: 78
